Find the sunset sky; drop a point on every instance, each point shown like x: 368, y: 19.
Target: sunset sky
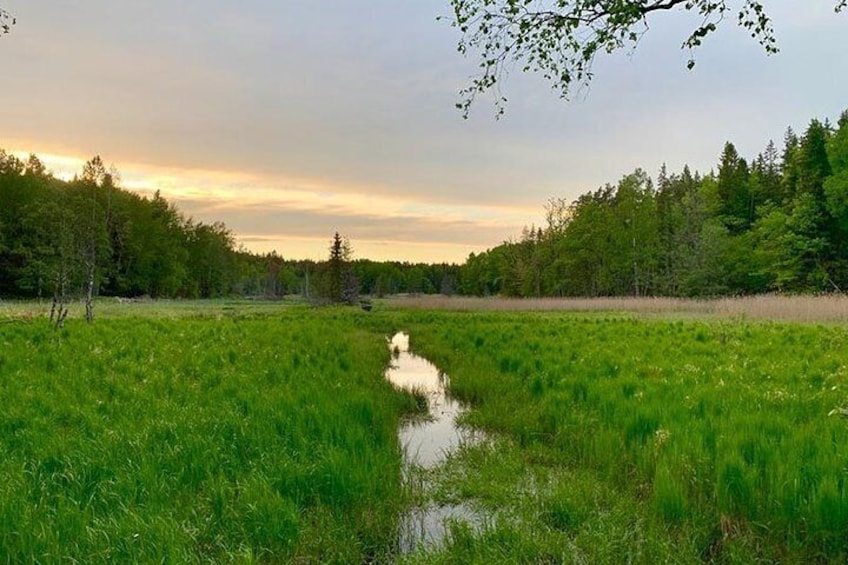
x: 292, y: 120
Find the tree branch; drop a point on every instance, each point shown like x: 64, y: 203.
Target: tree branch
x: 6, y: 22
x: 559, y: 39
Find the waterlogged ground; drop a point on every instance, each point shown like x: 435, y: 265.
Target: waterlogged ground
x: 428, y: 438
x: 270, y: 434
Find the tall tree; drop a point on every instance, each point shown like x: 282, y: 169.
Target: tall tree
x: 836, y: 199
x: 733, y: 190
x: 813, y: 163
x: 339, y: 281
x: 764, y: 184
x: 680, y: 218
x: 210, y: 259
x: 789, y: 181
x: 93, y: 177
x: 836, y: 186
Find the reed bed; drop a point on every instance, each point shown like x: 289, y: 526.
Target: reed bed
x: 830, y: 308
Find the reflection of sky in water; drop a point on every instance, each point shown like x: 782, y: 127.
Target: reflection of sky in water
x: 426, y: 442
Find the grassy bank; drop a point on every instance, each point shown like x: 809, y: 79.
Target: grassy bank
x: 831, y: 308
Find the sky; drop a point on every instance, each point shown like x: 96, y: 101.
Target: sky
x: 290, y: 121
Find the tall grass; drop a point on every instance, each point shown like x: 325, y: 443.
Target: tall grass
x: 198, y: 440
x: 112, y: 307
x: 263, y: 432
x: 713, y: 436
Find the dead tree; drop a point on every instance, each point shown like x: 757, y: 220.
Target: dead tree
x: 59, y: 309
x: 89, y: 293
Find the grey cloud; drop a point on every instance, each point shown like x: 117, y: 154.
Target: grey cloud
x: 270, y: 221
x: 361, y: 94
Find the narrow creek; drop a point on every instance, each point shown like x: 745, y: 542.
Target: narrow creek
x: 426, y: 441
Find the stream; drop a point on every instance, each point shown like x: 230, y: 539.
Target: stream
x: 426, y: 441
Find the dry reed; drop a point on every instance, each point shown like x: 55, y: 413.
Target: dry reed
x: 823, y: 308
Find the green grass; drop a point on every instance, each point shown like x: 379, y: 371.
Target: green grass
x: 268, y: 438
x: 647, y: 439
x: 265, y: 432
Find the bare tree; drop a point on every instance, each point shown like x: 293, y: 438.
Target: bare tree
x: 62, y: 269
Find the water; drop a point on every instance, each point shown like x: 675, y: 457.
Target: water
x: 426, y: 441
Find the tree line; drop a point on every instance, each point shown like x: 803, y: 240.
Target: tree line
x: 776, y: 223
x: 89, y: 237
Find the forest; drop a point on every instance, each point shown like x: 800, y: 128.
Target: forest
x: 775, y: 223
x: 56, y: 236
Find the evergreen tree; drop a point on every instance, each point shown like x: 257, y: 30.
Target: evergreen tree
x: 813, y: 163
x: 340, y: 284
x: 733, y: 190
x: 769, y: 166
x: 836, y: 201
x: 789, y: 180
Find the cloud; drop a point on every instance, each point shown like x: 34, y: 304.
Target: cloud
x: 293, y: 215
x: 336, y: 112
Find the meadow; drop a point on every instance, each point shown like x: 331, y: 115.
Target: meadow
x: 222, y: 438
x: 266, y: 432
x: 632, y: 439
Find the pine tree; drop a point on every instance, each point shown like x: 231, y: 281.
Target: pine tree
x: 340, y: 284
x: 733, y: 190
x: 813, y: 164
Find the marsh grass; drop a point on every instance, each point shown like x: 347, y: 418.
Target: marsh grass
x: 220, y: 438
x: 421, y: 398
x: 249, y: 431
x: 708, y: 439
x: 111, y: 308
x: 824, y: 308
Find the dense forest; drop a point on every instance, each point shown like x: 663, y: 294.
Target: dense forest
x: 776, y: 223
x: 62, y: 236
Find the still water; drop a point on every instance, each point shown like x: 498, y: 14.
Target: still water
x: 427, y: 440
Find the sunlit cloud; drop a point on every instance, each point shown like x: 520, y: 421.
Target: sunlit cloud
x: 377, y: 249
x: 289, y: 121
x: 296, y: 216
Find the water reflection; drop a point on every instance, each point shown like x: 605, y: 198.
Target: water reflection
x: 427, y: 440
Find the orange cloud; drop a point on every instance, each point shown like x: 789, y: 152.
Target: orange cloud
x: 385, y: 226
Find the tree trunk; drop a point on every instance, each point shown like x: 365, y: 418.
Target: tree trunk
x: 59, y: 309
x: 89, y: 295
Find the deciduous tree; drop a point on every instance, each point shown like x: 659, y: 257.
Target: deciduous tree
x: 560, y: 39
x: 6, y: 22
